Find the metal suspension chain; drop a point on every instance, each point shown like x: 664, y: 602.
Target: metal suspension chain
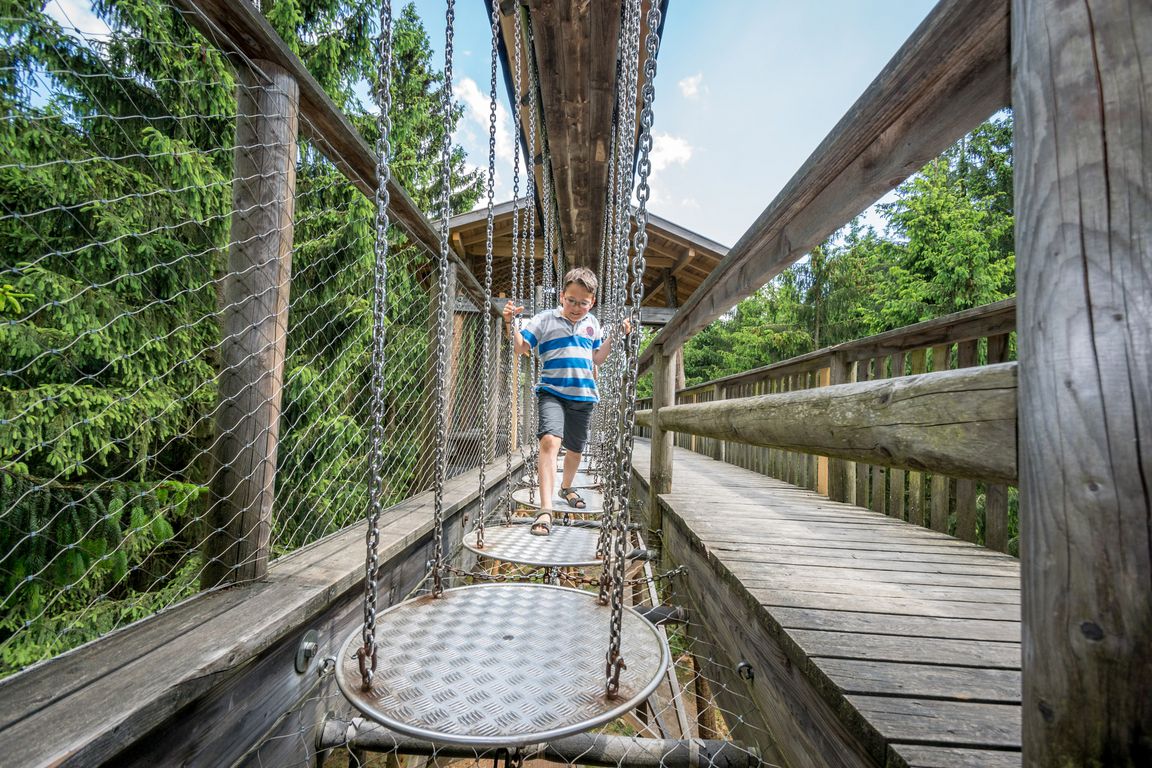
x: 383, y: 92
x: 528, y: 270
x: 442, y: 315
x: 640, y: 243
x: 513, y: 361
x: 486, y: 344
x: 630, y: 51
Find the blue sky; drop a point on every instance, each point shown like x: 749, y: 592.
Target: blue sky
x: 746, y: 90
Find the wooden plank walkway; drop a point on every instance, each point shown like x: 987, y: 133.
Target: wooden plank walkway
x: 906, y: 639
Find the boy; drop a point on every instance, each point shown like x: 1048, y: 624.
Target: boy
x: 570, y: 344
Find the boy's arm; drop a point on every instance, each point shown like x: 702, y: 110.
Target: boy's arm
x: 601, y: 354
x: 510, y: 310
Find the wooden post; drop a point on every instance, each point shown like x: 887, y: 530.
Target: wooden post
x: 996, y: 494
x: 823, y: 464
x: 896, y: 476
x: 254, y: 326
x: 663, y: 395
x: 1083, y: 98
x: 879, y: 497
x: 965, y: 488
x: 917, y: 363
x: 940, y: 485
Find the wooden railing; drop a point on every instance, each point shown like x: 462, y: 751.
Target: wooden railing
x: 967, y: 496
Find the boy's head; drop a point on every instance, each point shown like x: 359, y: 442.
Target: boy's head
x: 579, y: 293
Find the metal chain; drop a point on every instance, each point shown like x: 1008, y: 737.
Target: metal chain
x: 636, y: 289
x: 513, y: 361
x: 442, y: 315
x: 629, y: 53
x: 486, y: 344
x: 383, y: 92
x: 531, y: 415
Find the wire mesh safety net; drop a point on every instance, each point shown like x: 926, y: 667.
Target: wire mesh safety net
x: 124, y: 276
x: 178, y: 289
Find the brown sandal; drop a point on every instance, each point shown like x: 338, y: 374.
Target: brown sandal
x: 542, y: 526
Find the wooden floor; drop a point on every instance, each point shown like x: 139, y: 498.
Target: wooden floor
x: 911, y: 638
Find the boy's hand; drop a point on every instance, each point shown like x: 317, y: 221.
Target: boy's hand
x: 510, y: 309
x: 627, y: 326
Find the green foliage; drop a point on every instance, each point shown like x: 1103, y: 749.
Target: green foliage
x: 116, y: 193
x: 947, y: 247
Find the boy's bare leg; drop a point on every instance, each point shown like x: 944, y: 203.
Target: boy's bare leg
x: 571, y: 464
x: 546, y: 470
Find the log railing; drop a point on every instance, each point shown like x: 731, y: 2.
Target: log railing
x: 959, y: 426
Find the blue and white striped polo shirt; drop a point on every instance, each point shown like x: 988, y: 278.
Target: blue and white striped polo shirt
x: 566, y: 353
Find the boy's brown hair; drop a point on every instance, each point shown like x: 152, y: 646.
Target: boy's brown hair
x: 583, y: 277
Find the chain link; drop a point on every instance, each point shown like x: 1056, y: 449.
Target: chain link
x: 514, y: 404
x: 486, y: 343
x: 383, y: 93
x: 442, y: 322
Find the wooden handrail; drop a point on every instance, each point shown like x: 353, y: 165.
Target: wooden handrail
x: 952, y: 73
x: 959, y: 423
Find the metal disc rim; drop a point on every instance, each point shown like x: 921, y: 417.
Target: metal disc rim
x: 355, y: 639
x: 470, y: 544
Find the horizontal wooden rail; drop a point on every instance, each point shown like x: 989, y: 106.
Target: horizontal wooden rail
x: 959, y: 423
x: 241, y: 32
x: 952, y: 73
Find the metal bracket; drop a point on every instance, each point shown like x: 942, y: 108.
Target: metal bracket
x: 306, y: 651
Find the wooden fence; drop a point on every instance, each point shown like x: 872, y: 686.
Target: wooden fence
x: 972, y: 508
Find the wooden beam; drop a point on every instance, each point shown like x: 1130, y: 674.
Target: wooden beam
x: 255, y: 328
x: 951, y: 74
x: 242, y: 33
x: 961, y: 423
x: 660, y: 471
x: 1083, y: 98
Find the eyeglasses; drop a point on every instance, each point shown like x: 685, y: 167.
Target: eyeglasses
x: 578, y: 303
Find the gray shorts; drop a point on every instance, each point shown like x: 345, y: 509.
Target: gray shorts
x: 567, y: 419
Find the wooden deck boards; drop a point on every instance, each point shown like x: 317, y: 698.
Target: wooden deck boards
x: 911, y: 637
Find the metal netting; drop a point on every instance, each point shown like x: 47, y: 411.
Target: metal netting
x: 132, y: 152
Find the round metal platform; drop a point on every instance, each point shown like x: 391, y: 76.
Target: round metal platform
x: 565, y: 547
x: 581, y: 480
x: 593, y: 501
x: 500, y: 665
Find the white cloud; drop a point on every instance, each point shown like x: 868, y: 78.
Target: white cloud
x: 669, y: 150
x: 77, y: 18
x: 476, y: 112
x: 690, y: 202
x: 690, y: 86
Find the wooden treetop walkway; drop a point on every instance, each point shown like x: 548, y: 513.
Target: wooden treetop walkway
x: 906, y: 641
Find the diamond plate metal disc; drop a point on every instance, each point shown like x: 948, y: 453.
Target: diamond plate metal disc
x: 580, y: 480
x: 500, y: 665
x: 564, y: 547
x: 530, y: 497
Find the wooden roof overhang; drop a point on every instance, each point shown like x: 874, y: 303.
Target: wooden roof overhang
x: 677, y: 260
x: 571, y: 48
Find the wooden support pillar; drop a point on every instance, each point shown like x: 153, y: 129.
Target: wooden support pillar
x: 841, y: 473
x: 663, y: 395
x: 254, y: 319
x: 1082, y: 92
